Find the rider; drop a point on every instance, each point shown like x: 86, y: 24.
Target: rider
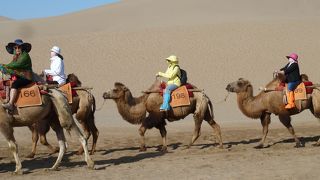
x: 20, y: 69
x: 172, y: 74
x: 293, y: 78
x: 57, y: 67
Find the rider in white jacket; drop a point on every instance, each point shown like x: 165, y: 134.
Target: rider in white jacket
x: 57, y: 66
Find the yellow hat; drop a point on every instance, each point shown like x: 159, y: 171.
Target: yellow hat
x: 172, y: 58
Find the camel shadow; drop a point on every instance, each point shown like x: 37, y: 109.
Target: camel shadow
x: 105, y: 152
x: 127, y: 159
x: 40, y: 162
x: 303, y: 140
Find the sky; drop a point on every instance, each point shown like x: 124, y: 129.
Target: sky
x: 29, y: 9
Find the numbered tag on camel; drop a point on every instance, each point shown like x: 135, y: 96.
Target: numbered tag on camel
x: 300, y: 92
x: 66, y: 89
x: 29, y: 96
x: 180, y: 97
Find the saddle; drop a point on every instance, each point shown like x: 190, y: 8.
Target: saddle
x: 282, y: 86
x: 27, y: 96
x: 180, y: 96
x: 300, y: 92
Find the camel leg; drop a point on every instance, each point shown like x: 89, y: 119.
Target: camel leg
x: 163, y: 133
x: 35, y: 138
x: 43, y: 141
x: 265, y: 121
x: 7, y: 131
x: 196, y: 131
x: 87, y: 136
x: 142, y: 131
x: 95, y: 133
x: 216, y: 131
x: 286, y: 121
x: 83, y: 141
x: 62, y: 150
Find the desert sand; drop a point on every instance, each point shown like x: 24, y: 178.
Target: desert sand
x: 217, y: 42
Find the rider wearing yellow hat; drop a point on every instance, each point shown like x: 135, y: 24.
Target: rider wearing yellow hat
x: 172, y: 74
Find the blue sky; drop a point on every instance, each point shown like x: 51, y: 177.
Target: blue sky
x: 28, y: 9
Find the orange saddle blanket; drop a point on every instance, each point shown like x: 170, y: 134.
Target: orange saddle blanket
x: 180, y: 96
x: 66, y: 89
x: 29, y: 96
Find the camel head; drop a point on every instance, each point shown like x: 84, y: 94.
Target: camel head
x: 117, y: 92
x: 73, y: 78
x: 238, y: 86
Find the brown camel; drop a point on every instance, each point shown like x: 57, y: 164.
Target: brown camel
x: 83, y: 106
x: 29, y: 115
x: 134, y: 111
x: 270, y: 102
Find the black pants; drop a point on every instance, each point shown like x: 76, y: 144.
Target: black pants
x: 20, y: 82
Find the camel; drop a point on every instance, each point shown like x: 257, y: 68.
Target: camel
x: 134, y: 110
x: 270, y: 102
x: 44, y: 113
x: 83, y: 107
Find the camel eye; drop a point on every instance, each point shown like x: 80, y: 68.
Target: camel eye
x: 240, y: 83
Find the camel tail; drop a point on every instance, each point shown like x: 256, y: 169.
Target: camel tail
x: 93, y: 104
x: 210, y: 108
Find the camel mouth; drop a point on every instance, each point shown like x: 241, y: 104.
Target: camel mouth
x: 229, y: 88
x: 106, y: 95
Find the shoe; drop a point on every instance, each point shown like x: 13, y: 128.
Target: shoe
x: 8, y: 106
x: 290, y: 104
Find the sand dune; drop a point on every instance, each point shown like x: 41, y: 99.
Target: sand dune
x: 2, y: 18
x: 217, y: 42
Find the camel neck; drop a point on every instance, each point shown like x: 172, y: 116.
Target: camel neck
x: 132, y: 109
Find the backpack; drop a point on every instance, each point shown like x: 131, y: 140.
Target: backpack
x: 183, y: 76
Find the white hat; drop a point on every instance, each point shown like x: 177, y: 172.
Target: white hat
x: 56, y: 49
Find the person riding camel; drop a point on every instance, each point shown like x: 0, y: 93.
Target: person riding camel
x: 293, y: 78
x: 20, y: 69
x: 56, y: 71
x: 172, y: 74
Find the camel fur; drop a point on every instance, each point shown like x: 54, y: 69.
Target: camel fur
x: 271, y: 102
x: 135, y: 109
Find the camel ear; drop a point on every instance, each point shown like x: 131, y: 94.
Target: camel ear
x: 118, y: 84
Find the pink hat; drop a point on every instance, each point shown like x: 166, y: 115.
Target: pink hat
x: 293, y: 56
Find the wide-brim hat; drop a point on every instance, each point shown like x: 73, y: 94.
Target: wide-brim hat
x: 293, y: 56
x: 56, y: 49
x: 172, y: 58
x: 18, y: 42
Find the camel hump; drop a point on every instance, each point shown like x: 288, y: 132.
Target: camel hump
x: 62, y: 108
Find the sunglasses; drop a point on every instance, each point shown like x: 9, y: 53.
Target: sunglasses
x: 16, y: 47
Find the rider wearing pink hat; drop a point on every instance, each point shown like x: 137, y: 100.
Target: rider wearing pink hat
x: 293, y: 78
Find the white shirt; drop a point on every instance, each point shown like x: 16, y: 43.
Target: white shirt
x: 56, y: 70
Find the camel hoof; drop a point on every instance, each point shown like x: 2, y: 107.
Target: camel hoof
x: 299, y: 145
x: 91, y: 165
x: 164, y: 149
x: 91, y: 152
x: 260, y: 146
x: 79, y: 152
x: 142, y: 149
x: 17, y: 172
x: 31, y: 156
x: 316, y: 145
x: 55, y: 150
x: 51, y: 169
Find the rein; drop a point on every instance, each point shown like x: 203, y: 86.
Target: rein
x: 99, y: 109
